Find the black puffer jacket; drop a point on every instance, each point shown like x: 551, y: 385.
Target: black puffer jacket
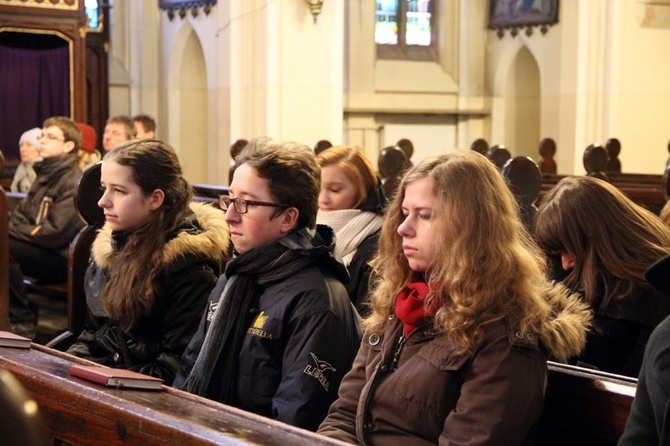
x: 359, y: 268
x: 52, y: 195
x: 191, y: 266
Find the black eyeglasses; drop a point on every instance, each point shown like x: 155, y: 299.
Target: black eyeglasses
x: 51, y: 137
x: 242, y: 206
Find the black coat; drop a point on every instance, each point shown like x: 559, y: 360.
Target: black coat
x: 52, y: 194
x: 155, y: 345
x: 360, y: 271
x: 301, y: 339
x: 649, y: 420
x: 359, y: 268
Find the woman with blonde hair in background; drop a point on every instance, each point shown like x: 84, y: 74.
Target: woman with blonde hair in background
x: 352, y: 201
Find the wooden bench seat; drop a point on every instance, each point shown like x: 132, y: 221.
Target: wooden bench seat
x: 582, y: 407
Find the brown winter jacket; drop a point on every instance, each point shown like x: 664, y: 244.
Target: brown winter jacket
x: 491, y: 396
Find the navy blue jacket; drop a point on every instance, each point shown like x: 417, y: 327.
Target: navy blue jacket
x: 301, y: 339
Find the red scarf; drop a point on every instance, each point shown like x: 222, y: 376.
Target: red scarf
x: 409, y: 305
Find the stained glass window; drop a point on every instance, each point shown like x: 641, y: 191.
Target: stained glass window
x: 93, y: 13
x: 404, y: 29
x: 386, y: 24
x: 404, y: 22
x: 418, y: 23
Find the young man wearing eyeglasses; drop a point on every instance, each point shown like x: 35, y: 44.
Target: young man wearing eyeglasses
x: 44, y: 223
x: 279, y: 332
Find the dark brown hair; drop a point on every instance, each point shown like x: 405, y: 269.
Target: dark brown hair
x: 70, y: 129
x: 134, y: 269
x: 613, y: 239
x: 293, y: 175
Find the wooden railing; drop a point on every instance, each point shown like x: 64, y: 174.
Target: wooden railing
x: 582, y: 407
x: 79, y: 412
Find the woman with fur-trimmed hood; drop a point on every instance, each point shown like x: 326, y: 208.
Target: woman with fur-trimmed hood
x: 152, y: 265
x: 463, y: 319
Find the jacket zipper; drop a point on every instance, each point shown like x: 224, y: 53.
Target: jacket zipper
x: 396, y: 353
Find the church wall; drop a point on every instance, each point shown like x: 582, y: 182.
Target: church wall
x: 601, y: 76
x: 269, y: 70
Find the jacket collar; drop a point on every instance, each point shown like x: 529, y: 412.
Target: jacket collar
x: 204, y: 233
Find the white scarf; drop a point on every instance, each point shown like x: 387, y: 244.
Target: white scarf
x: 351, y: 227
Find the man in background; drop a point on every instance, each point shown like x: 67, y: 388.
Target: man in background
x: 45, y: 222
x: 119, y: 129
x: 145, y: 126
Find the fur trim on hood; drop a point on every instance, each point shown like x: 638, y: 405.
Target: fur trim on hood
x: 564, y: 335
x: 213, y: 241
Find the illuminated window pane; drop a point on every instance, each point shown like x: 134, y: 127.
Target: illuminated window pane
x: 386, y: 24
x: 92, y: 12
x: 418, y: 29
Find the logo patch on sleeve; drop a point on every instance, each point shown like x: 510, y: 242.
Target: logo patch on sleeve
x: 212, y: 309
x: 317, y: 370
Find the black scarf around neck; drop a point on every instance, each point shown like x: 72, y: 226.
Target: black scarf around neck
x: 214, y: 372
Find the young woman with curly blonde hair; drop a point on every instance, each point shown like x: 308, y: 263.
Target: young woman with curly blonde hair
x: 463, y: 318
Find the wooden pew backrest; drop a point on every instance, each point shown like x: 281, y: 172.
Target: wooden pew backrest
x: 584, y: 407
x: 525, y: 180
x: 4, y: 261
x: 209, y: 193
x: 13, y: 199
x: 86, y: 197
x: 547, y: 163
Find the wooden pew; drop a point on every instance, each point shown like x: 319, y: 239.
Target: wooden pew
x: 209, y: 193
x: 499, y: 155
x: 613, y: 147
x: 480, y: 145
x: 4, y: 261
x: 584, y: 407
x: 13, y: 199
x: 86, y: 197
x: 78, y: 412
x: 407, y: 148
x: 546, y: 162
x: 525, y: 180
x: 650, y: 197
x: 322, y: 145
x: 391, y: 164
x: 649, y: 191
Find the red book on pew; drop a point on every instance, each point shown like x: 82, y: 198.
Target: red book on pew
x: 9, y: 339
x: 120, y: 378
